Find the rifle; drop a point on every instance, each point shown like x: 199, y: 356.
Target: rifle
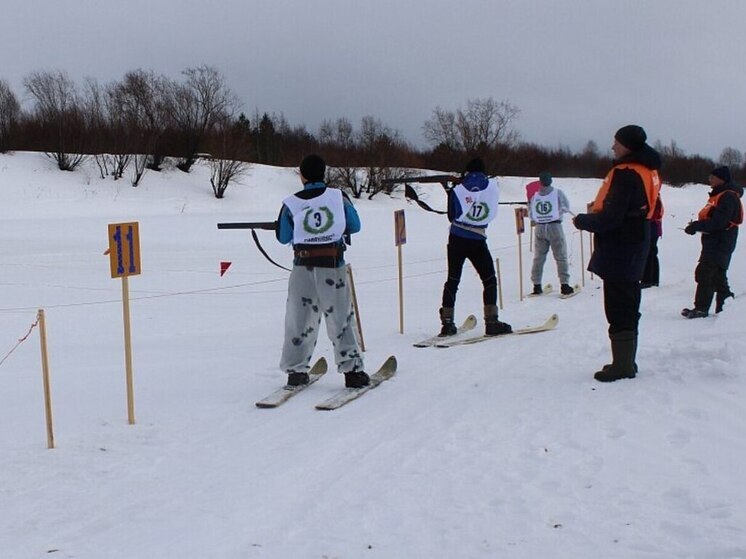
x: 411, y: 194
x: 268, y: 225
x: 442, y: 179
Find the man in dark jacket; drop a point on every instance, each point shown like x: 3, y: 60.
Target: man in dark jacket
x: 619, y: 221
x: 718, y: 222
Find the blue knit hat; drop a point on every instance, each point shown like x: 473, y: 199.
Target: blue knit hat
x: 545, y: 178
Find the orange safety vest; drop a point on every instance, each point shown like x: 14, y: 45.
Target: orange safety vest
x: 705, y: 212
x: 650, y: 180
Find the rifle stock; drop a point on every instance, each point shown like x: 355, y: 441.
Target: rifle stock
x: 269, y: 225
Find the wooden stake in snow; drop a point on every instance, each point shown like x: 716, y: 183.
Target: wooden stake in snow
x: 582, y: 261
x: 499, y: 282
x: 353, y: 293
x: 45, y: 378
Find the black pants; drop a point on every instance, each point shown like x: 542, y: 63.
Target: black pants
x: 622, y: 305
x: 475, y: 251
x: 651, y: 275
x: 710, y: 278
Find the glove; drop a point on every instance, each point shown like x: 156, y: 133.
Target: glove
x: 690, y: 229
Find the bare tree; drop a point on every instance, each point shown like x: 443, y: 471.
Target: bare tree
x: 484, y: 125
x: 58, y: 109
x: 375, y: 145
x: 339, y: 134
x: 107, y: 136
x: 143, y: 100
x: 139, y: 166
x: 671, y: 151
x: 10, y: 113
x: 379, y: 145
x: 223, y: 172
x: 230, y: 145
x: 196, y: 107
x: 732, y: 158
x: 93, y: 107
x: 352, y: 179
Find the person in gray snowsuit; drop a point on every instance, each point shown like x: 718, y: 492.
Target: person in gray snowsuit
x: 546, y: 208
x: 316, y: 221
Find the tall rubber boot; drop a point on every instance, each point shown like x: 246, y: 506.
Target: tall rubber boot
x: 448, y: 327
x: 623, y: 350
x: 635, y: 365
x: 492, y: 326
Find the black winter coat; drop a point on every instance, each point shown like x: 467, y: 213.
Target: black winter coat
x: 621, y: 231
x: 718, y: 239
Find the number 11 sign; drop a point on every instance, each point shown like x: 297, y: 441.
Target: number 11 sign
x: 124, y: 249
x: 124, y: 260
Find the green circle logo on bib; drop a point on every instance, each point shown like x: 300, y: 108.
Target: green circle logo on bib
x: 544, y: 207
x: 318, y: 221
x: 479, y: 212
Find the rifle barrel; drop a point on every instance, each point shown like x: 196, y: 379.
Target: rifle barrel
x: 424, y: 179
x: 269, y: 225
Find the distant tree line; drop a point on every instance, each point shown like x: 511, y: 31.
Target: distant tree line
x: 136, y: 122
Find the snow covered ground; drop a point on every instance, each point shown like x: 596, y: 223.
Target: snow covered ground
x: 503, y: 449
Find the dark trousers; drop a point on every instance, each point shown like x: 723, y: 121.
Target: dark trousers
x: 710, y: 278
x: 622, y: 305
x: 475, y: 251
x: 651, y: 275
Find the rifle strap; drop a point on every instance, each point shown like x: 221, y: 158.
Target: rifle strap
x: 264, y: 252
x: 410, y: 194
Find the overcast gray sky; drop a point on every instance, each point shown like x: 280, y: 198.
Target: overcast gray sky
x: 577, y: 69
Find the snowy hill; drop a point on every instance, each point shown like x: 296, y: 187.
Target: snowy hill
x: 503, y: 449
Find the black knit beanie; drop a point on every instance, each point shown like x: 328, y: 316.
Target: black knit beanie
x: 476, y: 165
x: 632, y: 137
x: 313, y: 168
x: 722, y: 172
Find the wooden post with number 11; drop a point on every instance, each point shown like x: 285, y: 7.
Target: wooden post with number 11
x: 124, y: 261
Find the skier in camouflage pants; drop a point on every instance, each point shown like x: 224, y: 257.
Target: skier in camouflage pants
x: 316, y: 220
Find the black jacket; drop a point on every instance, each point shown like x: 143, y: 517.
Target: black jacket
x: 718, y: 237
x: 621, y: 231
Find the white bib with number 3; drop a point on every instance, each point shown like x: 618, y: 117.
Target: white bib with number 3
x: 318, y: 220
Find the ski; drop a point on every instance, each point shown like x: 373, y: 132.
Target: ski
x: 575, y: 290
x: 546, y: 289
x: 279, y: 397
x: 469, y: 324
x: 385, y: 372
x: 550, y: 324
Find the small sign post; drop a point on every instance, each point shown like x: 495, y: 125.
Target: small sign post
x: 124, y: 261
x: 400, y: 238
x: 520, y: 227
x: 590, y: 242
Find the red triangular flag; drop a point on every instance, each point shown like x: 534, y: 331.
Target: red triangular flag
x: 224, y: 267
